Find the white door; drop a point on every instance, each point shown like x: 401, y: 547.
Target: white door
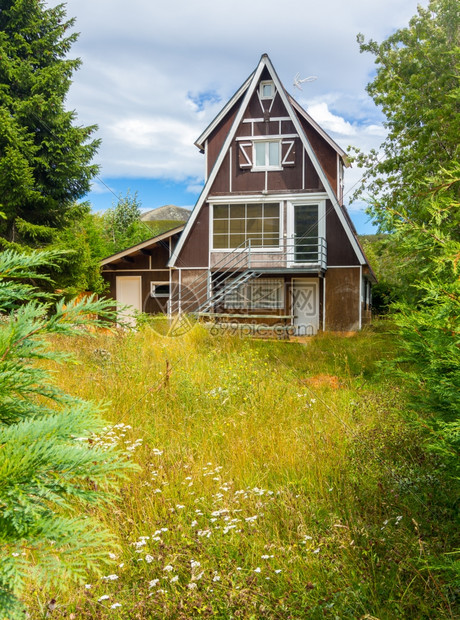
x: 305, y: 306
x: 129, y: 293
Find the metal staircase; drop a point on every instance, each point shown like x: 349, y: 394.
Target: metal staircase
x: 238, y: 267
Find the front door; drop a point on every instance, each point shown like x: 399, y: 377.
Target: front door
x: 129, y: 294
x: 305, y: 306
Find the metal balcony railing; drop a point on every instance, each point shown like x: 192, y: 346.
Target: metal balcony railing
x: 246, y: 262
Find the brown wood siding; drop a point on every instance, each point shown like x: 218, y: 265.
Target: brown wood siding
x: 195, y: 250
x: 339, y: 248
x: 193, y: 287
x: 312, y: 180
x: 221, y: 184
x: 342, y: 299
x: 247, y: 181
x: 288, y: 179
x: 217, y: 137
x: 287, y: 127
x: 149, y: 304
x: 278, y: 108
x: 268, y: 128
x: 326, y: 155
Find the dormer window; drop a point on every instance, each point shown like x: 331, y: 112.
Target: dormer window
x: 267, y: 90
x: 267, y: 155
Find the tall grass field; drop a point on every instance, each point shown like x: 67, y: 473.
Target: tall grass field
x: 277, y: 480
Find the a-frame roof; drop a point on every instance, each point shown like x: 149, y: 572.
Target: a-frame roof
x: 243, y: 97
x: 142, y: 246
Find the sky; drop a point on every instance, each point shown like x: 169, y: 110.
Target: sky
x: 154, y: 75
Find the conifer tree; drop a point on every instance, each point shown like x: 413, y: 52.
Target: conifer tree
x: 50, y: 469
x: 45, y: 158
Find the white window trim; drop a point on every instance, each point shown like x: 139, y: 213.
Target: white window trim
x: 154, y: 284
x: 261, y: 90
x: 321, y: 220
x: 266, y: 166
x: 249, y: 200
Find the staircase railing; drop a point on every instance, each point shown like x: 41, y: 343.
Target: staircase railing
x: 248, y: 261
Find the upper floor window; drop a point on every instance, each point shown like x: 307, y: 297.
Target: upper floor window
x: 237, y: 224
x: 267, y: 154
x: 267, y: 90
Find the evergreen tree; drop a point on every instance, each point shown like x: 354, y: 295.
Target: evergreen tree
x: 50, y: 470
x: 44, y: 157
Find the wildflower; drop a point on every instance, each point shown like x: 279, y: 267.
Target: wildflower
x: 149, y: 558
x: 265, y: 557
x: 115, y: 605
x: 257, y: 570
x: 87, y: 586
x: 174, y: 579
x: 168, y: 568
x: 278, y: 570
x: 317, y: 550
x: 216, y: 577
x: 112, y: 556
x: 111, y: 577
x: 194, y: 564
x: 192, y: 586
x: 153, y: 583
x: 104, y: 597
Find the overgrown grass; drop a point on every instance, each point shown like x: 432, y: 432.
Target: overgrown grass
x: 278, y: 480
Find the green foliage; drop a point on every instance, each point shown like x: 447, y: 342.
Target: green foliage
x: 278, y: 481
x: 417, y: 87
x: 117, y: 228
x: 430, y: 330
x: 49, y: 471
x: 44, y: 157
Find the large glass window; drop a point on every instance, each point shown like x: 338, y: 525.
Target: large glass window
x: 234, y: 225
x: 267, y: 154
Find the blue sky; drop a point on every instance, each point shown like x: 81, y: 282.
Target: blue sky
x: 155, y: 74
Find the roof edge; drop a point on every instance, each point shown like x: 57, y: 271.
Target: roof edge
x: 142, y: 245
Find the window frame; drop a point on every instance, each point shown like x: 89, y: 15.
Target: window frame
x: 261, y: 90
x: 266, y: 165
x: 276, y: 247
x: 154, y: 285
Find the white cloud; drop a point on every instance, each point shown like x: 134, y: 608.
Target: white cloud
x: 329, y: 121
x: 154, y: 74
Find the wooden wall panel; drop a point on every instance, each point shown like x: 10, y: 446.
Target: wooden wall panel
x: 339, y: 248
x: 343, y: 299
x: 195, y: 250
x: 221, y: 184
x: 312, y: 180
x: 217, y: 137
x: 326, y: 155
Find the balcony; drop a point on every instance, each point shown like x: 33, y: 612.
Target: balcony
x: 307, y: 254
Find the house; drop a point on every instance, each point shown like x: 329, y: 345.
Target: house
x: 269, y: 239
